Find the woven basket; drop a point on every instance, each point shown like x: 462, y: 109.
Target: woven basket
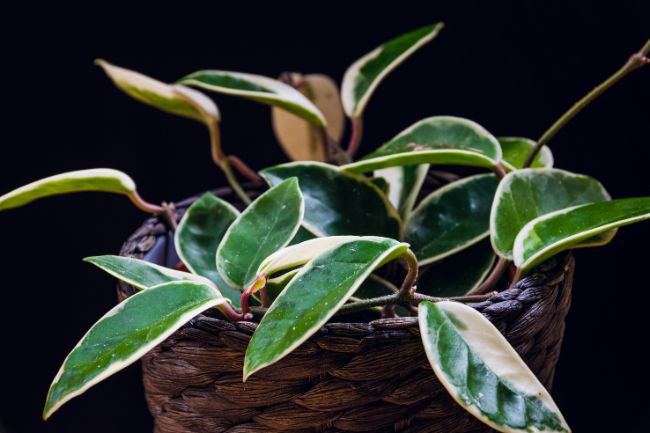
x: 349, y: 377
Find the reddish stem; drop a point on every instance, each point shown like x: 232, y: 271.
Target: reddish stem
x: 355, y: 135
x: 243, y: 169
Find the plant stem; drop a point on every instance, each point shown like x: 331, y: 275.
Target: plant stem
x: 397, y: 299
x: 333, y: 150
x: 170, y: 215
x: 232, y: 314
x: 243, y: 169
x: 144, y: 205
x: 406, y: 290
x: 635, y: 61
x: 355, y: 135
x: 499, y: 171
x: 492, y: 279
x: 384, y: 282
x: 222, y: 162
x: 233, y: 182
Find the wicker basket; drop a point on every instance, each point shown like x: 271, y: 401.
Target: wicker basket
x: 349, y: 377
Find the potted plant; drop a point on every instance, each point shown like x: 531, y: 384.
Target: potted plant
x: 333, y: 294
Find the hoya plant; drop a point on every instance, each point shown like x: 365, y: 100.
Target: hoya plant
x: 330, y: 235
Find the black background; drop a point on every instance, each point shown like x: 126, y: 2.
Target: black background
x: 512, y: 67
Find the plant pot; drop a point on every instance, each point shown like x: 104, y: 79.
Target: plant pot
x: 349, y: 377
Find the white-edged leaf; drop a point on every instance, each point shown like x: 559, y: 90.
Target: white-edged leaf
x: 457, y: 274
x: 98, y: 179
x: 524, y: 195
x: 404, y: 184
x: 198, y: 236
x: 266, y: 225
x: 516, y: 150
x: 451, y: 218
x: 171, y: 98
x: 483, y: 373
x: 141, y: 274
x: 445, y: 140
x: 126, y: 333
x: 257, y: 88
x: 554, y: 232
x: 299, y: 254
x: 364, y: 75
x: 314, y: 295
x: 338, y: 203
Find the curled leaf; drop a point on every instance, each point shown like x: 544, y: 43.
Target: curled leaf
x: 141, y: 274
x: 444, y: 140
x: 174, y: 99
x: 554, y: 232
x: 257, y: 88
x: 364, y: 75
x: 99, y: 179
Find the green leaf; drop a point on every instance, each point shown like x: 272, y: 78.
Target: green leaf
x: 483, y: 373
x: 257, y: 88
x: 524, y: 195
x: 313, y: 296
x: 299, y: 254
x: 198, y: 236
x: 363, y: 76
x: 552, y: 233
x: 99, y: 179
x: 451, y: 218
x: 173, y: 99
x: 437, y: 140
x: 338, y: 203
x: 516, y: 150
x: 141, y: 274
x: 404, y: 183
x: 275, y: 286
x: 301, y: 236
x: 126, y: 333
x: 458, y: 274
x: 267, y: 225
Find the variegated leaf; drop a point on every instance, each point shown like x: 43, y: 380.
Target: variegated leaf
x: 443, y: 140
x: 557, y: 231
x: 483, y: 373
x: 314, y: 295
x: 524, y: 195
x: 267, y: 225
x: 257, y: 88
x: 174, y: 99
x: 363, y: 76
x: 404, y: 183
x: 126, y: 333
x: 198, y: 236
x: 100, y: 179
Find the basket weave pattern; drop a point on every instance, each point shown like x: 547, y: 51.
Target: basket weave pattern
x: 349, y: 377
